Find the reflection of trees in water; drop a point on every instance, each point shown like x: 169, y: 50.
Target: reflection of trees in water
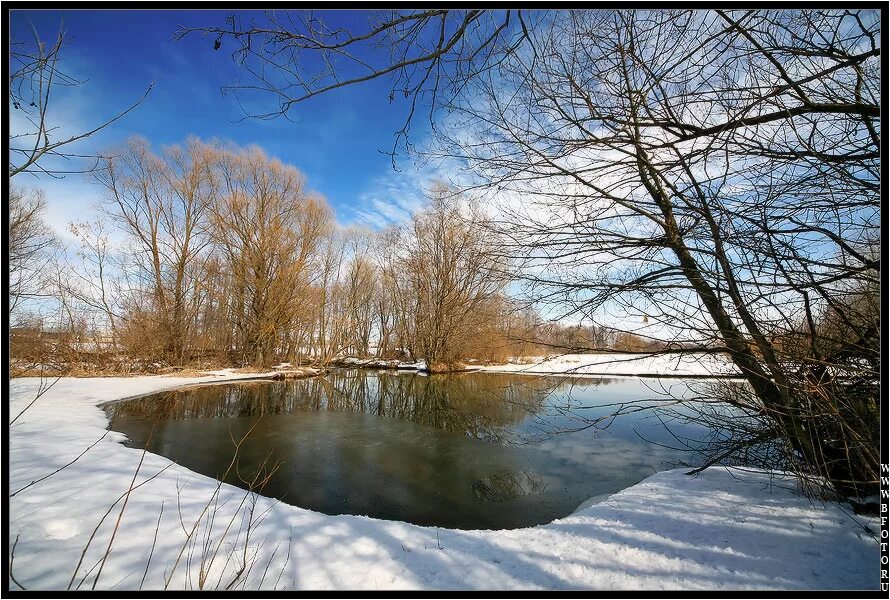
x: 707, y: 421
x: 246, y: 399
x: 479, y: 405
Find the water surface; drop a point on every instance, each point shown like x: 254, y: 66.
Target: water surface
x: 471, y: 450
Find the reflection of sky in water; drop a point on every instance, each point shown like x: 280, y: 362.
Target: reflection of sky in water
x: 579, y: 429
x: 469, y: 450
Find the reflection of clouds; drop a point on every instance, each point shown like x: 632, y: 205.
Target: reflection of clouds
x: 507, y: 485
x: 607, y: 458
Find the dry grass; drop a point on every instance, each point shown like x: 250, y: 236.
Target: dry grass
x: 73, y: 371
x: 92, y: 370
x: 250, y: 369
x: 112, y: 369
x: 191, y: 372
x: 441, y: 367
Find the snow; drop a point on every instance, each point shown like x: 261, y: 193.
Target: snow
x: 687, y: 364
x: 380, y: 363
x: 725, y: 529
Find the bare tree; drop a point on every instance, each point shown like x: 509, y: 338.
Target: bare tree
x: 39, y: 145
x: 161, y: 202
x: 447, y: 275
x: 92, y: 282
x: 359, y: 292
x: 734, y: 213
x: 330, y: 322
x: 268, y: 227
x: 29, y: 243
x: 394, y: 303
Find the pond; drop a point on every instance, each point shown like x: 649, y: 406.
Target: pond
x: 468, y: 451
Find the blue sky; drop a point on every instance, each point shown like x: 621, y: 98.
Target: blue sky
x: 335, y: 139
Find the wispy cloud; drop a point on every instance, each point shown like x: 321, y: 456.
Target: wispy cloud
x: 393, y: 197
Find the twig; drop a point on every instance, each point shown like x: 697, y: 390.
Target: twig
x: 102, y: 520
x: 11, y: 560
x: 153, y: 542
x: 120, y: 515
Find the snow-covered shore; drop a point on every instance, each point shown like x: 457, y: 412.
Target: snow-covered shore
x: 725, y: 529
x: 612, y: 364
x: 686, y: 364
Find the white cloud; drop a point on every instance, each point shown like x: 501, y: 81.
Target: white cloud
x: 72, y: 199
x: 394, y: 197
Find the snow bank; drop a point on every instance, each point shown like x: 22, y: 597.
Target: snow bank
x: 379, y: 363
x: 686, y: 364
x: 725, y: 529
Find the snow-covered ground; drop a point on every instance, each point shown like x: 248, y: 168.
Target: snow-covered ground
x: 686, y: 364
x: 725, y: 529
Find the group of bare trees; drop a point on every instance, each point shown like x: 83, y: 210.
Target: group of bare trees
x: 210, y: 252
x: 221, y: 249
x: 207, y: 251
